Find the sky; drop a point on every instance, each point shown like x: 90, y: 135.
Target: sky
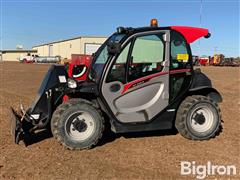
x: 33, y: 22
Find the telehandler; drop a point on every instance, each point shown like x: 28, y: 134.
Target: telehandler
x: 140, y: 79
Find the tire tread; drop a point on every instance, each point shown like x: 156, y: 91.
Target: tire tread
x: 182, y: 113
x: 59, y: 112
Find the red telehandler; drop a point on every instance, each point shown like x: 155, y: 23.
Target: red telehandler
x: 140, y: 79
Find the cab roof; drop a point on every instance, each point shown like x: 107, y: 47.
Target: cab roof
x: 191, y: 34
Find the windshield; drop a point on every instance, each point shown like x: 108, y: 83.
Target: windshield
x: 102, y: 57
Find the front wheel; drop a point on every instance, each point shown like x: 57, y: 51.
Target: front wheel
x: 198, y: 118
x: 77, y: 124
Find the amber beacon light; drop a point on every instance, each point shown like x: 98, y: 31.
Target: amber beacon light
x: 154, y: 23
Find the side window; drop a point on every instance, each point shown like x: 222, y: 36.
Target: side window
x: 179, y: 60
x: 118, y: 71
x: 179, y: 52
x: 147, y: 56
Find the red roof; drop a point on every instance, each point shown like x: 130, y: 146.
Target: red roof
x: 191, y: 34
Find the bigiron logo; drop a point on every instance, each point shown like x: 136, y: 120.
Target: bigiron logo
x: 202, y: 171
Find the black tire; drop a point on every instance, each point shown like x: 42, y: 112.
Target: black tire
x: 192, y: 128
x: 65, y: 116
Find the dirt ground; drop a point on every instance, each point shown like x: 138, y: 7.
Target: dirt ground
x: 154, y: 156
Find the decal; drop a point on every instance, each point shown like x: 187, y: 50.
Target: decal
x: 81, y: 73
x: 176, y: 71
x: 171, y: 110
x: 35, y: 116
x: 62, y: 79
x: 139, y: 83
x: 143, y: 80
x: 183, y: 57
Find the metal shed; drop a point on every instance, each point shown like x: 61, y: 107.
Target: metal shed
x: 64, y: 48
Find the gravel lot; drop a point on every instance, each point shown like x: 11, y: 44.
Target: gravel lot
x: 153, y: 156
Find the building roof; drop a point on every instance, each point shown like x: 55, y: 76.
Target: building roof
x: 78, y: 37
x: 17, y: 50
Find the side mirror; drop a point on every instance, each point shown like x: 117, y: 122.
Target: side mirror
x: 114, y: 48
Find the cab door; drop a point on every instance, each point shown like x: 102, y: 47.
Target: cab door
x: 136, y: 83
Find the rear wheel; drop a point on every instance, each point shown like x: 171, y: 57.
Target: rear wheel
x: 77, y: 124
x: 198, y: 118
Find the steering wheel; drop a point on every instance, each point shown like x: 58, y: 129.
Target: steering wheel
x: 135, y: 71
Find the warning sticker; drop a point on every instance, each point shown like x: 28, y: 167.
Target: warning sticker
x: 182, y: 57
x: 62, y: 79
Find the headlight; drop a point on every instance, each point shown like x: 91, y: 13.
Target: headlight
x: 71, y: 83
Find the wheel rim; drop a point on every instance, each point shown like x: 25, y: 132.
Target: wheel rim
x: 202, y: 119
x: 80, y: 126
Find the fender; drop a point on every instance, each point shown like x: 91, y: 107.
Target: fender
x: 207, y: 91
x: 202, y: 85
